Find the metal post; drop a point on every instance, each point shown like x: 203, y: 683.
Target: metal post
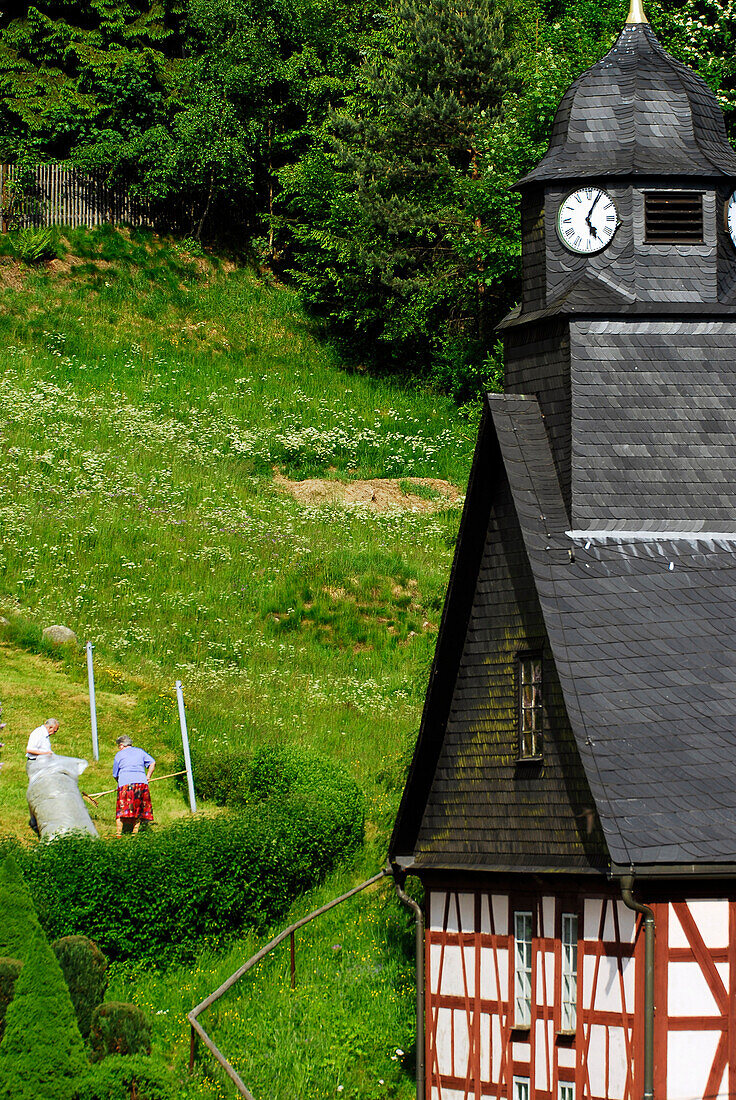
x: 293, y: 961
x: 185, y: 743
x: 92, y: 703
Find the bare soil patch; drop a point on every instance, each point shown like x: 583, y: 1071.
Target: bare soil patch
x: 380, y: 494
x: 11, y: 275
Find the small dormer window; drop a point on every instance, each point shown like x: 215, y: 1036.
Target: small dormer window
x: 530, y: 711
x: 673, y: 217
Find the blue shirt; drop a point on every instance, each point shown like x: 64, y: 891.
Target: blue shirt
x: 129, y: 766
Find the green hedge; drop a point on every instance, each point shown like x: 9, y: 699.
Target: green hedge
x: 19, y: 920
x: 159, y: 895
x: 42, y: 1052
x: 119, y: 1028
x: 125, y: 1076
x: 85, y: 971
x: 9, y: 971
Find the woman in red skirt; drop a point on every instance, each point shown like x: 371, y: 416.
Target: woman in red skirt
x: 132, y: 768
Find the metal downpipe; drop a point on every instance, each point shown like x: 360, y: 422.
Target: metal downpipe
x: 419, y: 924
x: 627, y: 886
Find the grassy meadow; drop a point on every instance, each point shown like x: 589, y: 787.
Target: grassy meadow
x: 156, y: 410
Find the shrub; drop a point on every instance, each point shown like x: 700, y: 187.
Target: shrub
x: 158, y: 897
x: 219, y: 777
x: 35, y: 245
x: 161, y: 896
x: 9, y: 971
x: 42, y: 1051
x: 119, y: 1028
x: 127, y: 1077
x: 19, y: 915
x: 85, y: 970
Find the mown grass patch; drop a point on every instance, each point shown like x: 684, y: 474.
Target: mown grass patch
x: 142, y: 409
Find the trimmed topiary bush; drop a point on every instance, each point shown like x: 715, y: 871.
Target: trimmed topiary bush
x: 127, y: 1077
x: 42, y: 1052
x: 202, y: 879
x: 19, y: 919
x: 85, y: 971
x: 119, y: 1028
x: 9, y: 971
x: 219, y: 776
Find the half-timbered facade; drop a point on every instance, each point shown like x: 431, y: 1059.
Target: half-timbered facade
x: 571, y: 805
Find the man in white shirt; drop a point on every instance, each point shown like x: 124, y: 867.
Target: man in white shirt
x: 39, y: 743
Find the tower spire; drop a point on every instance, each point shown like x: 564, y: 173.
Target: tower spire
x: 636, y: 13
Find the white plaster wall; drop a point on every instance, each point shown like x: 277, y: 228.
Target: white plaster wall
x: 451, y: 1094
x: 522, y: 1051
x: 462, y: 1042
x: 626, y: 923
x: 618, y: 1063
x: 485, y: 1046
x: 596, y: 1063
x: 544, y: 1047
x: 566, y: 1057
x: 608, y: 987
x: 545, y: 978
x: 548, y: 917
x: 591, y: 918
x: 711, y: 917
x: 490, y: 976
x: 450, y: 980
x: 687, y: 991
x: 443, y: 1040
x: 501, y: 914
x: 496, y: 1049
x: 437, y: 900
x: 467, y: 913
x: 689, y: 1058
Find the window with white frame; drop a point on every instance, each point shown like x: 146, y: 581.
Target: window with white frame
x: 523, y: 969
x: 569, y: 975
x: 530, y: 711
x: 566, y: 1091
x: 521, y: 1088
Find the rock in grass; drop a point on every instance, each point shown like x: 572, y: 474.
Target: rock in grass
x: 59, y: 635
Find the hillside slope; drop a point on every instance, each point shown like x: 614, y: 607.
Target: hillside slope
x: 159, y: 416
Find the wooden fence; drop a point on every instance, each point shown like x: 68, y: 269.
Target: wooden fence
x: 60, y: 195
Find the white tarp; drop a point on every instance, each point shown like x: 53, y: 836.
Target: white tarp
x: 54, y: 798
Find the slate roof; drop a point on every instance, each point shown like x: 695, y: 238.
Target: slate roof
x: 642, y: 626
x: 653, y: 423
x: 637, y: 112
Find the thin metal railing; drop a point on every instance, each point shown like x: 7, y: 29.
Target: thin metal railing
x: 196, y: 1027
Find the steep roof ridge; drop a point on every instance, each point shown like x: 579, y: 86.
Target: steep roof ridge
x: 544, y: 529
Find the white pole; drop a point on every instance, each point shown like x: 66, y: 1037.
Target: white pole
x: 185, y: 743
x: 92, y: 703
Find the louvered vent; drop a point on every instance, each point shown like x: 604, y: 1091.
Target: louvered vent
x: 673, y: 217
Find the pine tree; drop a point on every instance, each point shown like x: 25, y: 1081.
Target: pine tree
x: 398, y: 257
x: 42, y: 1051
x: 19, y: 921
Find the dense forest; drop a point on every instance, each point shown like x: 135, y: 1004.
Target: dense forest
x: 365, y: 151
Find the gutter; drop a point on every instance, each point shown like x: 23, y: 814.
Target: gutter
x: 627, y: 886
x: 399, y: 878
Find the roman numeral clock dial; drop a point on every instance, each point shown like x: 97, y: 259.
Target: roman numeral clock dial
x: 587, y: 220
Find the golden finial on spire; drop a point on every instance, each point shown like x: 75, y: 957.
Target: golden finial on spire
x: 636, y: 13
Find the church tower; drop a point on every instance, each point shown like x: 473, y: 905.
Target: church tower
x: 571, y: 804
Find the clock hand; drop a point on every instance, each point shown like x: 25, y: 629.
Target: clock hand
x: 588, y: 222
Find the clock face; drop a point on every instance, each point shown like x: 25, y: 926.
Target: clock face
x: 731, y: 217
x: 587, y: 220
